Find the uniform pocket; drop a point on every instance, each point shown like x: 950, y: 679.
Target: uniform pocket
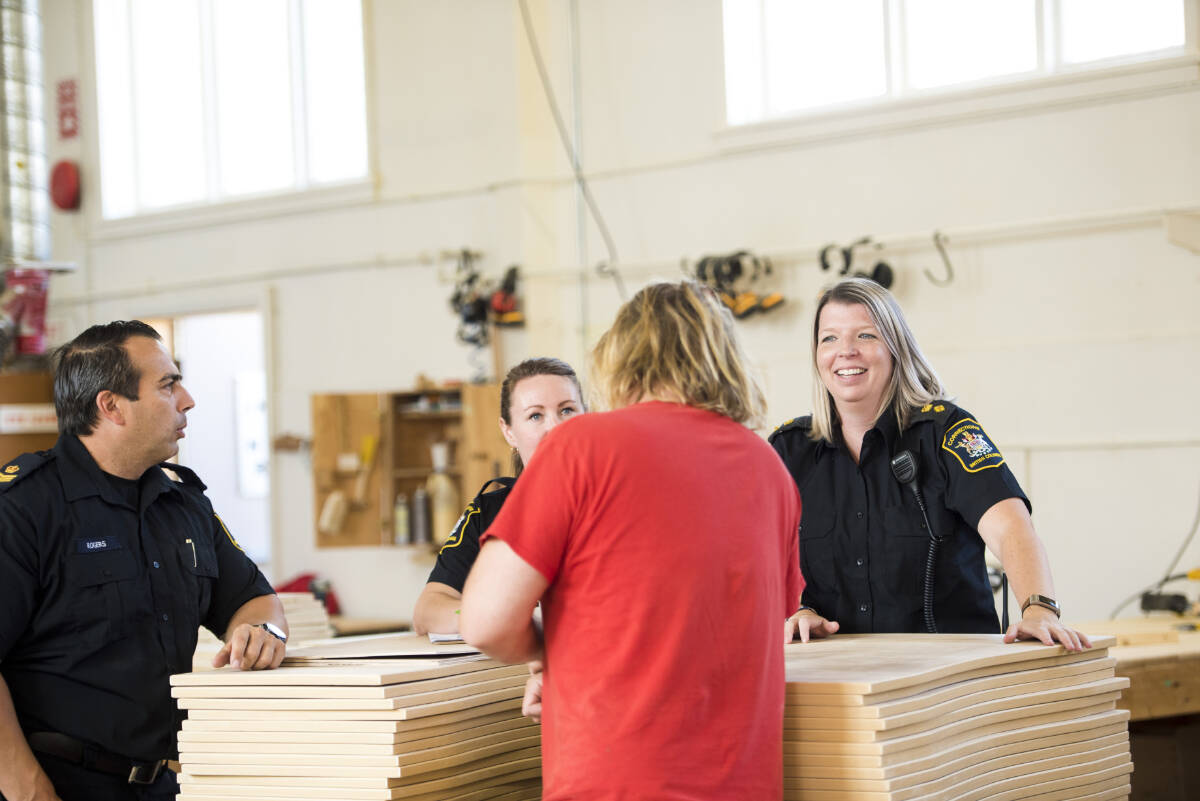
x: 908, y: 539
x: 199, y: 562
x: 816, y: 550
x: 104, y: 591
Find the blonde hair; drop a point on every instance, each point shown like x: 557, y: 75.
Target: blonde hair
x: 676, y: 340
x: 914, y: 382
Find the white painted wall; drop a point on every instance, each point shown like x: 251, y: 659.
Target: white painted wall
x: 1076, y: 343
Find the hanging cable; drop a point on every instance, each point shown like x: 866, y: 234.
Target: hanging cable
x: 1168, y: 576
x: 607, y: 267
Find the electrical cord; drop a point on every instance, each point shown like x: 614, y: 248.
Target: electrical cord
x: 1169, y: 575
x: 1186, y: 542
x: 605, y: 267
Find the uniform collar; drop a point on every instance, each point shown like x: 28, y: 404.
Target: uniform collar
x: 886, y: 425
x: 81, y: 477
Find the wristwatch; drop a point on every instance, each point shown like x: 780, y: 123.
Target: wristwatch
x: 1044, y: 601
x: 277, y: 633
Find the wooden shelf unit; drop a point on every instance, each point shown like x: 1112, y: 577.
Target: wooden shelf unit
x: 405, y: 425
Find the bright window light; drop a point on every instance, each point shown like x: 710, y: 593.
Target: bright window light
x: 253, y: 117
x: 790, y: 57
x: 823, y: 53
x: 336, y: 90
x: 745, y: 88
x: 957, y: 41
x: 168, y: 115
x: 202, y: 101
x: 1098, y: 29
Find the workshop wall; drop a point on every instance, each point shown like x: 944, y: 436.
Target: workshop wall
x: 1074, y: 342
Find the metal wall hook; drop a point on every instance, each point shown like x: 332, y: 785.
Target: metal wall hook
x: 939, y: 242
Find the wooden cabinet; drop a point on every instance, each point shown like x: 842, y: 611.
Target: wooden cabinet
x: 367, y: 448
x: 27, y: 421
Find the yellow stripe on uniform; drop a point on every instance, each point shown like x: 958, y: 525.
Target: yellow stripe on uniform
x: 227, y: 534
x: 456, y: 536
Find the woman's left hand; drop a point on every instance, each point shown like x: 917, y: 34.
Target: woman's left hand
x: 1042, y: 624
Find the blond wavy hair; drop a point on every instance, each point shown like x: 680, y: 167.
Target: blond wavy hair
x: 914, y: 382
x: 676, y: 341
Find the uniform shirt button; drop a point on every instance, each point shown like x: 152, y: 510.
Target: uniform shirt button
x: 859, y: 562
x: 862, y: 607
x: 156, y: 565
x: 165, y: 617
x: 860, y: 515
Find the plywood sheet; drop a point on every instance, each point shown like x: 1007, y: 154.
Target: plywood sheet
x: 513, y: 787
x: 411, y: 763
x: 993, y: 745
x: 903, y: 748
x: 396, y: 689
x: 826, y: 720
x: 375, y: 645
x: 442, y: 778
x: 987, y: 677
x: 836, y: 665
x: 959, y: 776
x: 445, y: 711
x: 287, y: 735
x: 329, y: 672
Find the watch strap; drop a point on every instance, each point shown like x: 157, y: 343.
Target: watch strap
x: 1044, y: 601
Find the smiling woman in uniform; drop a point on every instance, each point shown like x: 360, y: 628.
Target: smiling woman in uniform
x: 536, y: 395
x: 866, y: 546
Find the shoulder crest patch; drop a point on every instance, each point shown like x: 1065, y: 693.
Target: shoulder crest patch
x: 456, y: 535
x: 969, y: 443
x: 23, y: 466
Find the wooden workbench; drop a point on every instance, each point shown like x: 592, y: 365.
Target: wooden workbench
x: 1160, y: 655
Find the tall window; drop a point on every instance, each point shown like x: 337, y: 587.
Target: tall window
x: 208, y: 100
x: 787, y: 57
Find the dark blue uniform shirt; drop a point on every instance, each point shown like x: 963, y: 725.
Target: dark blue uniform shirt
x: 462, y: 546
x: 101, y: 599
x: 863, y: 541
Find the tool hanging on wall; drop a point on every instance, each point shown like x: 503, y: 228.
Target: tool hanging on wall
x: 881, y: 273
x: 733, y: 276
x: 470, y: 301
x: 505, y: 303
x: 939, y: 242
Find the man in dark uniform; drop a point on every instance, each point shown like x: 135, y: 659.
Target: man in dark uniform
x: 108, y: 566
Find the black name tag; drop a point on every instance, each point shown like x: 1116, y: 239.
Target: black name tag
x: 97, y: 544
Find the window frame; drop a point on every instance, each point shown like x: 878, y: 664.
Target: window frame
x: 1051, y: 83
x: 218, y: 208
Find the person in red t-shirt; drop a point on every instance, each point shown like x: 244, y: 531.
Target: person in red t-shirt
x: 661, y: 540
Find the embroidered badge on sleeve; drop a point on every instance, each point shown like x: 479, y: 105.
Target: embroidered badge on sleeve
x: 970, y: 445
x: 456, y: 535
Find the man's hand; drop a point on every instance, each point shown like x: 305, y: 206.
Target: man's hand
x: 531, y: 707
x: 808, y: 624
x: 250, y: 648
x: 1039, y: 623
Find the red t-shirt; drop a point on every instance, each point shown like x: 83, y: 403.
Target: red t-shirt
x: 669, y: 537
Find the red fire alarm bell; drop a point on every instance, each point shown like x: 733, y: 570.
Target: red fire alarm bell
x: 64, y: 185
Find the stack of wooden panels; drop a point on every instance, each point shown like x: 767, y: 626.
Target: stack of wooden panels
x: 306, y: 617
x: 419, y: 728
x: 952, y: 718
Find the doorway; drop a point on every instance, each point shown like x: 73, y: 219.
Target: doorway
x: 222, y: 358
